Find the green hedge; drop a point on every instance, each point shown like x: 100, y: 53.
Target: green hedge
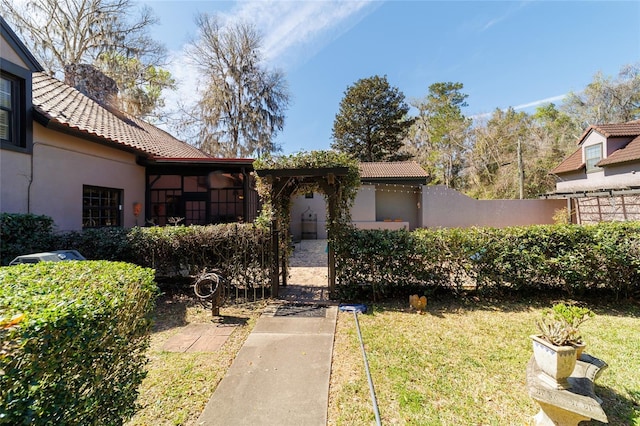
x: 77, y: 355
x: 570, y: 258
x: 24, y: 234
x: 241, y: 252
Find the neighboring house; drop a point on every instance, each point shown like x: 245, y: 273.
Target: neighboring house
x: 389, y: 198
x: 85, y: 164
x: 601, y: 179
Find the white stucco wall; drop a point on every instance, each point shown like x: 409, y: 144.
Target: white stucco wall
x: 315, y: 205
x: 62, y: 164
x: 364, y: 206
x: 447, y: 208
x: 363, y: 212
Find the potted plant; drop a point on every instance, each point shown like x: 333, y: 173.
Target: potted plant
x: 556, y: 347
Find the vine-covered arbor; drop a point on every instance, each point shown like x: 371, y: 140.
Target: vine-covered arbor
x: 280, y: 179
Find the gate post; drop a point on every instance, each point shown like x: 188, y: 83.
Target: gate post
x: 275, y: 261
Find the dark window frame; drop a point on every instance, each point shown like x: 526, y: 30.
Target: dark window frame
x: 99, y: 209
x: 22, y: 118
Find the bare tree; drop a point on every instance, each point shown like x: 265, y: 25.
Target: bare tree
x: 69, y: 32
x: 607, y: 100
x: 241, y: 104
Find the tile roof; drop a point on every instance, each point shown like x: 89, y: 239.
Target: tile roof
x: 630, y: 152
x: 631, y: 128
x: 394, y: 169
x: 67, y: 107
x: 572, y: 163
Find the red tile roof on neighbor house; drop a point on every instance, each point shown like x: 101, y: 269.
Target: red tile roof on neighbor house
x: 65, y: 107
x: 630, y: 152
x: 394, y: 169
x: 572, y: 163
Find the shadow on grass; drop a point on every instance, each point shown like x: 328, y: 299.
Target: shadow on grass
x: 442, y: 303
x: 177, y: 306
x: 620, y: 410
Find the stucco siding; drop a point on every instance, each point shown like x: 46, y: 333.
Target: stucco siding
x: 305, y: 206
x: 364, y: 206
x: 447, y: 208
x: 611, y: 177
x: 10, y: 54
x: 397, y: 206
x: 15, y: 172
x: 63, y: 164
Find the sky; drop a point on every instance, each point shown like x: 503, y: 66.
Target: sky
x: 518, y: 54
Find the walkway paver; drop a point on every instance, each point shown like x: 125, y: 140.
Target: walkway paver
x: 199, y: 338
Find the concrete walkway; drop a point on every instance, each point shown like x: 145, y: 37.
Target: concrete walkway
x: 281, y: 374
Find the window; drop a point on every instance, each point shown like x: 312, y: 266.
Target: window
x: 101, y: 207
x: 7, y: 110
x: 592, y: 155
x: 15, y: 107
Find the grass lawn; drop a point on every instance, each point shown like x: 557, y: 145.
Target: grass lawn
x: 461, y: 363
x: 464, y: 363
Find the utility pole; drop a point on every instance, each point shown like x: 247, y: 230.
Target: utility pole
x: 520, y: 170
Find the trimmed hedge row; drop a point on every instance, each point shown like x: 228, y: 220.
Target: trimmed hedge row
x: 574, y: 259
x: 241, y: 252
x: 73, y: 339
x: 24, y: 234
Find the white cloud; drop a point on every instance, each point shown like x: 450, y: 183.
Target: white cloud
x: 540, y: 102
x: 485, y: 115
x: 294, y: 31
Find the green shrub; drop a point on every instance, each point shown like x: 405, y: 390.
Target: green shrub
x: 241, y: 252
x: 109, y: 243
x: 76, y: 352
x: 23, y: 234
x: 569, y: 258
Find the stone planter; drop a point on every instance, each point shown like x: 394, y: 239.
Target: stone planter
x: 579, y: 349
x: 555, y: 362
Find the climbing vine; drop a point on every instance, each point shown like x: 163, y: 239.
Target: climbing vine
x: 280, y: 209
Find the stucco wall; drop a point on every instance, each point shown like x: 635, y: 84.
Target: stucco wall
x: 315, y: 205
x: 447, y: 208
x: 62, y: 164
x: 363, y: 212
x: 15, y: 171
x: 10, y: 54
x: 611, y: 177
x: 397, y: 205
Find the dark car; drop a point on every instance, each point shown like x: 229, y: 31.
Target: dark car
x: 49, y: 256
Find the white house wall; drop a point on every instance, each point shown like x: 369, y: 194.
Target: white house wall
x: 62, y: 164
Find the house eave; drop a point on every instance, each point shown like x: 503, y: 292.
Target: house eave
x: 51, y: 124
